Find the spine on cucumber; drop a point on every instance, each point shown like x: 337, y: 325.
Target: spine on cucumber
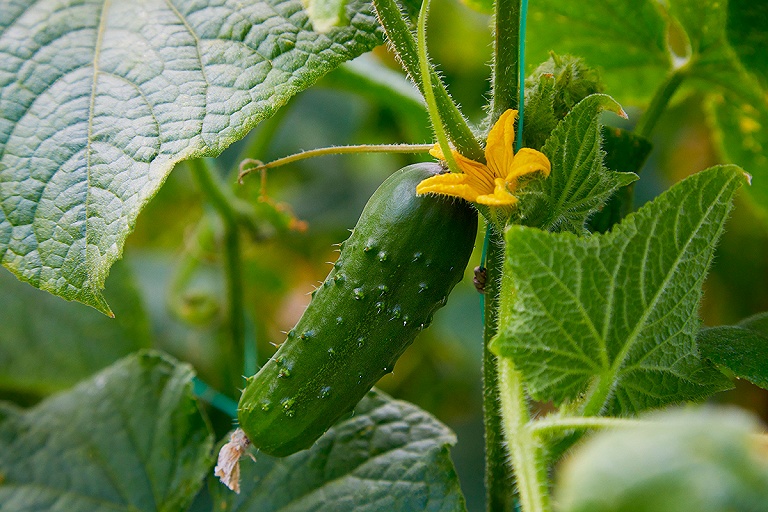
x: 396, y: 269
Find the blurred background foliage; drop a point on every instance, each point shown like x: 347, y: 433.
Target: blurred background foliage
x: 170, y: 291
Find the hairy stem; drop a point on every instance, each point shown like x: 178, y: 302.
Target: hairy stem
x: 402, y: 40
x: 249, y: 165
x: 555, y: 425
x: 498, y: 474
x: 429, y: 95
x: 504, y: 78
x: 223, y: 201
x: 523, y: 444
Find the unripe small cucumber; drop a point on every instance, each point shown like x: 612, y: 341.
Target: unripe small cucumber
x: 395, y: 270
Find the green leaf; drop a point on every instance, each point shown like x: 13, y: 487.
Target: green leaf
x: 627, y: 41
x: 47, y: 344
x: 390, y: 455
x: 613, y: 317
x: 741, y: 348
x: 579, y: 183
x: 624, y: 39
x: 707, y: 460
x: 130, y: 438
x: 747, y: 32
x: 101, y: 100
x: 742, y: 136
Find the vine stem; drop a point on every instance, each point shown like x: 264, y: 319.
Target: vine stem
x: 429, y: 95
x: 524, y: 446
x: 660, y: 101
x: 223, y: 202
x: 498, y: 474
x: 505, y: 83
x: 554, y: 425
x: 249, y: 165
x: 401, y: 39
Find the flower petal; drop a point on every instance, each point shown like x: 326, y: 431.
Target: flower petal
x: 449, y: 184
x: 500, y: 146
x: 480, y: 176
x: 527, y: 161
x: 500, y: 196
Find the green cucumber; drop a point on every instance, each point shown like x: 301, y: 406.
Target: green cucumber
x: 396, y: 269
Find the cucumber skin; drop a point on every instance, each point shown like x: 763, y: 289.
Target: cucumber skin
x: 395, y: 270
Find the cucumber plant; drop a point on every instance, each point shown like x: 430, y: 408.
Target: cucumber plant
x: 591, y: 303
x: 403, y: 258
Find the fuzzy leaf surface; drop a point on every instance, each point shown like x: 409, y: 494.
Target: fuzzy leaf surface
x: 100, y: 100
x: 741, y: 348
x: 579, y: 183
x: 390, y: 455
x: 615, y: 315
x: 131, y: 438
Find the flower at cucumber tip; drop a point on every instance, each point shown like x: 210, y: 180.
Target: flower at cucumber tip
x: 490, y: 184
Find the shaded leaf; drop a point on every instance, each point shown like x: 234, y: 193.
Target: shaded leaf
x: 747, y: 32
x: 101, y: 100
x: 47, y: 344
x: 579, y: 183
x: 741, y: 348
x: 621, y: 38
x: 615, y: 316
x: 625, y: 151
x: 130, y: 438
x: 390, y: 455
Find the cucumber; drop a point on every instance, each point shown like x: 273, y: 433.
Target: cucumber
x: 396, y: 269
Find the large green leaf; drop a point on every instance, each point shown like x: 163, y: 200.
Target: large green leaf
x: 47, y: 344
x: 623, y: 38
x: 615, y: 316
x: 390, y: 455
x: 130, y: 438
x: 579, y: 183
x: 100, y: 100
x: 741, y: 348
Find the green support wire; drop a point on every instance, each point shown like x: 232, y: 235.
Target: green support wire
x: 521, y: 115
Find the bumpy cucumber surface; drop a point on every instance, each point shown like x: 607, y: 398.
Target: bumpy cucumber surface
x: 395, y: 270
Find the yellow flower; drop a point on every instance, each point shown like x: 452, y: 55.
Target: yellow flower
x: 490, y: 184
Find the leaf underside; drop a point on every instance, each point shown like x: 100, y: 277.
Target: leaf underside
x: 618, y: 311
x: 100, y: 100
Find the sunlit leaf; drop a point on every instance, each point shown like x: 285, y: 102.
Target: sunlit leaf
x: 100, y: 100
x: 579, y: 183
x: 612, y: 319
